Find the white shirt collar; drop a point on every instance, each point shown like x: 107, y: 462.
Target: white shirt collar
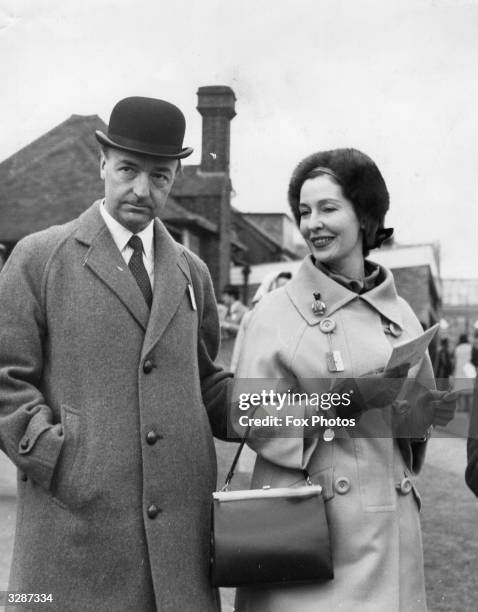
x: 121, y: 234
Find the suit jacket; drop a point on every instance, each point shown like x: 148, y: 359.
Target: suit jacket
x: 374, y: 523
x: 107, y: 410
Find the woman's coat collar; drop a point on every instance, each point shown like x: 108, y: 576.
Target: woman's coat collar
x: 308, y: 280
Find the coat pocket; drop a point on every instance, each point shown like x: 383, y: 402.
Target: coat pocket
x: 66, y: 487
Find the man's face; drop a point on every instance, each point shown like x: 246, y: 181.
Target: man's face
x: 136, y: 186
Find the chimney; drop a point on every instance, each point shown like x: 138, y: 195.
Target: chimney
x: 216, y: 106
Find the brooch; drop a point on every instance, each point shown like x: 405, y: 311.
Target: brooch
x: 318, y: 306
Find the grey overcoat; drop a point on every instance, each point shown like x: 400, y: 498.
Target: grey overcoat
x: 107, y: 411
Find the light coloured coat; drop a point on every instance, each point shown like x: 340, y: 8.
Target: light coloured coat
x: 374, y: 527
x: 76, y: 407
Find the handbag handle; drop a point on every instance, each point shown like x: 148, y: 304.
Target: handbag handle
x: 230, y: 474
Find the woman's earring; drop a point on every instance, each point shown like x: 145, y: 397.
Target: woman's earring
x: 318, y: 306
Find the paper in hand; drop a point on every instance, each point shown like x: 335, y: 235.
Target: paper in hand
x: 410, y: 352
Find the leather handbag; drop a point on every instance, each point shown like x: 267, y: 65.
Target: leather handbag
x: 269, y: 535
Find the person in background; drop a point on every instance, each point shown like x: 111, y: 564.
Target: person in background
x: 464, y: 373
x: 221, y: 311
x: 235, y: 311
x: 474, y: 349
x: 282, y: 279
x: 271, y: 281
x: 444, y: 365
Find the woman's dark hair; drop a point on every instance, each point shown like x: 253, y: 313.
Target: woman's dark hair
x: 361, y: 183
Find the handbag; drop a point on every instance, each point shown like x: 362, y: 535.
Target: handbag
x: 269, y: 535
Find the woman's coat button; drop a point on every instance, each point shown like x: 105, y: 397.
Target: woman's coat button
x: 327, y: 326
x: 405, y: 486
x: 342, y: 485
x: 329, y: 435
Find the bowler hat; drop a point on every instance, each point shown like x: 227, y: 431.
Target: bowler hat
x: 148, y: 126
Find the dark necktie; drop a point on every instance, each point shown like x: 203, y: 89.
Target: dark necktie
x: 138, y: 270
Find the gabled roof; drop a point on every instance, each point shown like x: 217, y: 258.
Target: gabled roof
x: 178, y: 216
x: 192, y: 182
x: 242, y: 222
x: 52, y: 180
x: 268, y: 214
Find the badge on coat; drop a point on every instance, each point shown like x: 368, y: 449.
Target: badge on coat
x: 333, y: 358
x: 192, y: 297
x: 318, y: 306
x: 334, y: 361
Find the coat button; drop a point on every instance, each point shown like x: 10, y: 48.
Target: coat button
x: 329, y: 435
x: 327, y: 326
x: 342, y: 485
x: 24, y: 443
x: 405, y: 486
x: 153, y: 511
x: 151, y: 437
x: 148, y: 366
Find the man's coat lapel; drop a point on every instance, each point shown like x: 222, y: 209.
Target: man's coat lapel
x: 171, y: 278
x: 171, y: 273
x: 106, y: 262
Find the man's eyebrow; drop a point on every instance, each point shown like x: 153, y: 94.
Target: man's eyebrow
x: 162, y: 168
x: 127, y: 160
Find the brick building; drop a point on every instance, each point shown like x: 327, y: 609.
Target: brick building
x: 50, y: 181
x: 416, y: 269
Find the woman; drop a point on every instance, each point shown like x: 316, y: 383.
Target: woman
x: 339, y: 317
x: 464, y: 373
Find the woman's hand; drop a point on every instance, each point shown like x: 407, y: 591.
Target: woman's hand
x: 438, y: 406
x: 420, y: 409
x: 376, y: 389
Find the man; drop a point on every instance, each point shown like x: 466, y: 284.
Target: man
x: 108, y: 390
x: 471, y: 472
x: 235, y: 311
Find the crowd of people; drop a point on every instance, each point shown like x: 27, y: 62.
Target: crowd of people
x: 110, y: 393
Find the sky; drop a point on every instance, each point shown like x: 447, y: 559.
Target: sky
x: 395, y: 79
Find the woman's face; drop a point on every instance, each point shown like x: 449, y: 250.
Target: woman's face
x: 330, y: 226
